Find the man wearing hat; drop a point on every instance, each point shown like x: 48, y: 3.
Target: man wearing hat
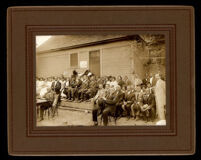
x: 129, y: 99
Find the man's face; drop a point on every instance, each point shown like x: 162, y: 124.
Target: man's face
x: 107, y: 86
x: 124, y: 88
x: 92, y: 78
x: 125, y: 78
x: 112, y: 90
x: 100, y: 86
x: 140, y: 99
x: 118, y: 88
x: 128, y: 88
x: 147, y: 92
x: 119, y: 78
x: 138, y: 88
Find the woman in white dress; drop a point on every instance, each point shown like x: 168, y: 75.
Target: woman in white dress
x: 160, y: 97
x: 45, y: 88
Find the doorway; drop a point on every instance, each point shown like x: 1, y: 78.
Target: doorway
x: 94, y: 62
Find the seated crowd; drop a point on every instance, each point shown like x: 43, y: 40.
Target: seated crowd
x: 111, y: 96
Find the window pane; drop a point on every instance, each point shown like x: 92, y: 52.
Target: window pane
x: 74, y: 60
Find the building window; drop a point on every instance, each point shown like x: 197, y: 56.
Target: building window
x: 73, y: 60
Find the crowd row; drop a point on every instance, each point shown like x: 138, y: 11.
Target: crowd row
x: 111, y: 96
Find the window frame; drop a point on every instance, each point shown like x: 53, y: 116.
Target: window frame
x: 75, y: 66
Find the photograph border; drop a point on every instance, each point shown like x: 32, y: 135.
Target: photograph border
x: 32, y: 30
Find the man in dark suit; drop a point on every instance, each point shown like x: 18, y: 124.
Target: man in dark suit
x: 72, y: 88
x: 149, y: 100
x: 53, y: 83
x: 111, y: 102
x: 83, y: 89
x: 136, y: 106
x: 77, y: 87
x: 129, y: 99
x: 97, y: 110
x: 120, y: 81
x: 57, y: 86
x: 93, y: 88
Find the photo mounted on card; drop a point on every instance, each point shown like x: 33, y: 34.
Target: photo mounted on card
x: 99, y: 77
x: 92, y: 79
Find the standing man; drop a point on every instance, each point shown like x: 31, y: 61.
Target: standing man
x: 72, y: 88
x: 57, y: 86
x: 77, y: 87
x: 57, y: 96
x: 53, y: 83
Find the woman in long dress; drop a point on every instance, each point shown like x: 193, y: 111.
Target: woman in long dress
x: 160, y: 97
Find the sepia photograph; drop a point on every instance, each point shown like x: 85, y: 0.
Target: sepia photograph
x: 118, y: 80
x: 101, y: 80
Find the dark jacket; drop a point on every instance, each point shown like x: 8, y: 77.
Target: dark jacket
x: 58, y: 85
x: 78, y: 83
x: 150, y: 101
x: 72, y: 83
x: 121, y: 83
x: 93, y: 84
x: 52, y: 85
x: 84, y: 85
x: 129, y: 97
x: 115, y: 98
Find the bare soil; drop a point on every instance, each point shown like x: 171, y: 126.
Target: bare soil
x: 80, y: 118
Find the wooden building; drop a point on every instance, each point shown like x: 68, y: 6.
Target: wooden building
x: 102, y: 54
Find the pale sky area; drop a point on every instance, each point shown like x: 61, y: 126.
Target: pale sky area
x: 41, y: 39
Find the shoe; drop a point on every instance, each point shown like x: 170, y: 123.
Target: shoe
x: 95, y: 123
x: 80, y: 101
x: 137, y: 118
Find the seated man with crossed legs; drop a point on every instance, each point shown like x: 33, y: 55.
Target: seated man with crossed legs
x: 97, y: 106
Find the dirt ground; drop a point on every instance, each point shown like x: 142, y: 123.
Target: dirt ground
x: 78, y: 118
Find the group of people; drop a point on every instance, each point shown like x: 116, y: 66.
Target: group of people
x: 111, y: 96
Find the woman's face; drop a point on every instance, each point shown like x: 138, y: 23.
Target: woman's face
x: 107, y: 86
